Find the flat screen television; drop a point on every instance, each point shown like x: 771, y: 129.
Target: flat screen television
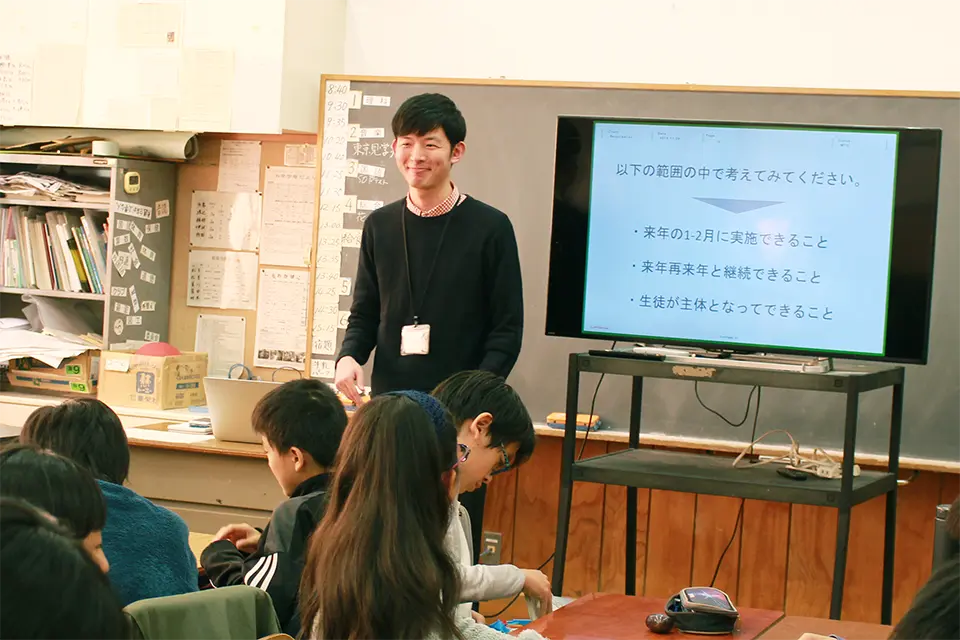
x: 745, y: 237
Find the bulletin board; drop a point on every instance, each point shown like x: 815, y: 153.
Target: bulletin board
x: 204, y: 176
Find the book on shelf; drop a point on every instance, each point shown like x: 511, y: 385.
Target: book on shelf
x: 52, y: 249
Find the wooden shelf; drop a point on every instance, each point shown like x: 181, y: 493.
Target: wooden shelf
x: 47, y: 293
x: 56, y: 204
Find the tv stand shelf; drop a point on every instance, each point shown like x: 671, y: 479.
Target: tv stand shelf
x: 715, y: 475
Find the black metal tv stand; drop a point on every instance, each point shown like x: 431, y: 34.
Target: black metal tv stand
x: 701, y: 473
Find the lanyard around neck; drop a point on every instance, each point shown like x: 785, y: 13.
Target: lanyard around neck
x: 406, y: 258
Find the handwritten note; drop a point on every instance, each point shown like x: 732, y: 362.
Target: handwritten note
x: 288, y: 196
x: 222, y: 280
x: 371, y: 170
x: 282, y: 319
x: 239, y: 166
x: 328, y: 260
x: 225, y: 220
x: 222, y: 338
x: 369, y: 205
x: 376, y: 101
x: 300, y: 155
x: 324, y: 326
x: 323, y: 369
x: 16, y: 88
x: 351, y: 238
x: 329, y: 239
x: 135, y: 210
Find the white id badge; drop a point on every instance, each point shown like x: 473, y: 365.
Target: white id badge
x: 415, y: 340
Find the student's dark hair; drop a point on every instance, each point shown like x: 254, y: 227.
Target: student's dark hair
x: 935, y: 612
x: 376, y: 566
x: 86, y: 431
x: 423, y: 113
x: 306, y: 414
x: 54, y: 483
x: 51, y: 587
x: 467, y: 394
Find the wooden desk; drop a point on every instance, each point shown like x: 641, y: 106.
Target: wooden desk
x: 792, y: 627
x: 607, y: 616
x: 209, y: 484
x: 199, y: 542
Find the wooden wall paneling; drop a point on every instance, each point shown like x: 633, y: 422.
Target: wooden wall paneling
x: 764, y: 539
x: 614, y: 536
x: 783, y: 557
x: 499, y: 509
x: 916, y: 511
x: 714, y: 526
x: 582, y: 575
x: 538, y: 491
x: 813, y: 542
x: 949, y: 488
x: 669, y: 542
x: 200, y: 174
x: 863, y: 578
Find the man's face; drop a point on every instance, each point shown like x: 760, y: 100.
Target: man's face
x: 425, y: 161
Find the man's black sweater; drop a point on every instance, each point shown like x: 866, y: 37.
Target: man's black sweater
x: 473, y: 301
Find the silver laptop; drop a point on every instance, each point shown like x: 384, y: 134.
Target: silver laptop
x: 231, y: 404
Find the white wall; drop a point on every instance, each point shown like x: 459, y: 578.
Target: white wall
x: 864, y: 44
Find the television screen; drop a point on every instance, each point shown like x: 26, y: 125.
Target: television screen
x: 746, y: 237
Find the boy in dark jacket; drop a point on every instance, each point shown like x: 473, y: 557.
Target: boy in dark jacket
x: 301, y: 424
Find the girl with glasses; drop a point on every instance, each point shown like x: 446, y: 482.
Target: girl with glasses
x: 377, y: 566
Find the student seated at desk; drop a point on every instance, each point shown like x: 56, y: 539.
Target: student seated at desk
x: 147, y: 545
x: 60, y: 487
x: 51, y: 587
x: 301, y: 424
x: 935, y: 612
x: 377, y: 566
x: 496, y: 426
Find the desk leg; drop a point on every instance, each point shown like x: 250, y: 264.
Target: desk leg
x: 630, y: 572
x: 890, y: 518
x: 846, y: 492
x: 566, y: 475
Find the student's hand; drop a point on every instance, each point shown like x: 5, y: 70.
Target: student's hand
x: 477, y: 617
x: 349, y: 379
x: 537, y: 585
x: 243, y: 536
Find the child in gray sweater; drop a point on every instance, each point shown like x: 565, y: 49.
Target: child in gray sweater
x: 377, y: 566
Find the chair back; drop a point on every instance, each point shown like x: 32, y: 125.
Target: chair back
x: 229, y: 613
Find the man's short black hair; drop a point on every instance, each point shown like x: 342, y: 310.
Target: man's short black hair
x: 469, y: 393
x: 306, y: 414
x: 935, y: 612
x: 56, y: 484
x: 423, y: 113
x: 85, y: 430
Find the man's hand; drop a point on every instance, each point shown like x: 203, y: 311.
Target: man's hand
x: 243, y: 536
x: 349, y: 379
x: 537, y: 585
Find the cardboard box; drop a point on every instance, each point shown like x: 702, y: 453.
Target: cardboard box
x: 74, y: 375
x: 152, y: 382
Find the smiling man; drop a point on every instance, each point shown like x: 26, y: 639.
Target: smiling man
x: 438, y: 287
